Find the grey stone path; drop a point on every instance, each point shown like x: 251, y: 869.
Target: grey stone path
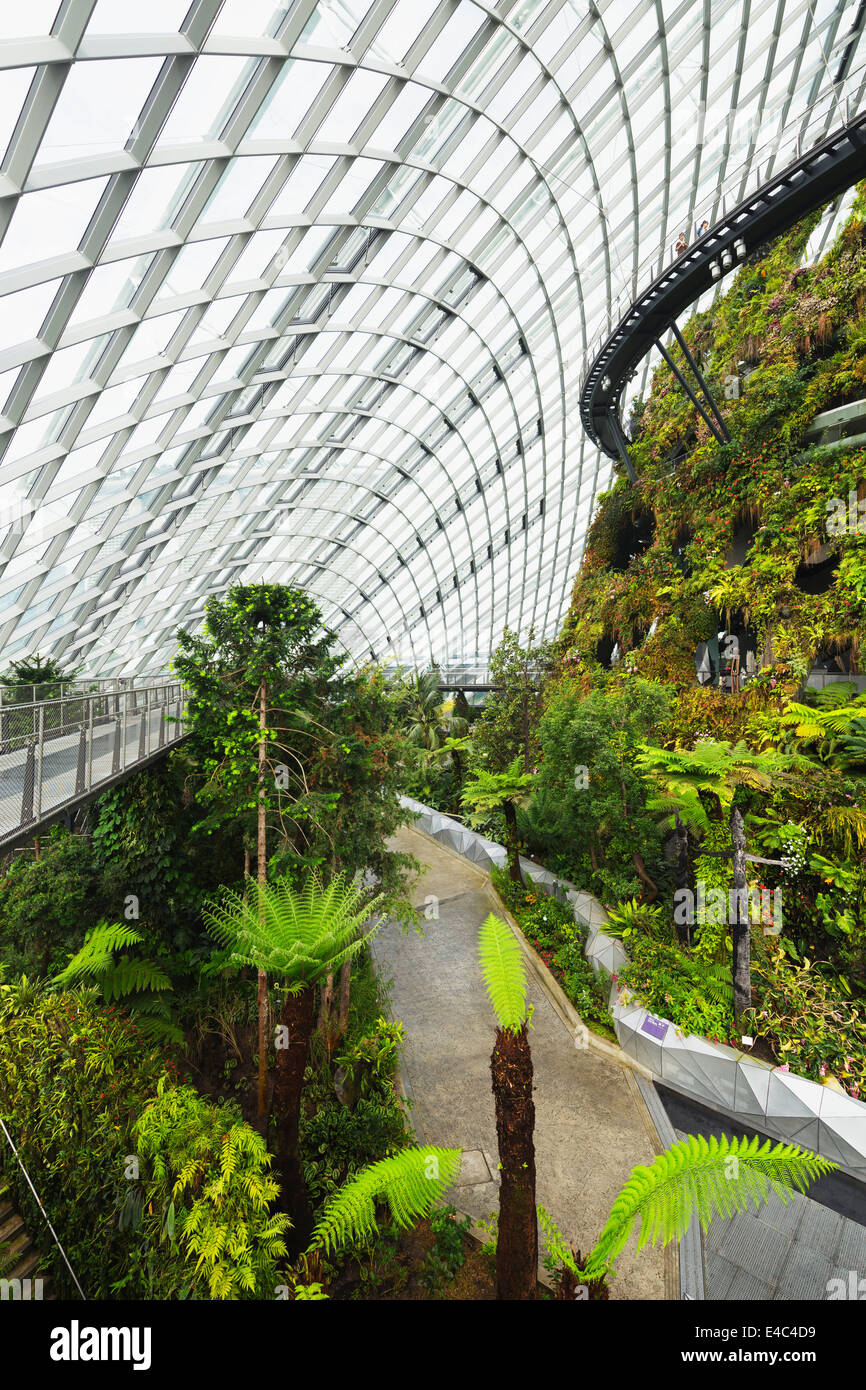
x: 591, y: 1126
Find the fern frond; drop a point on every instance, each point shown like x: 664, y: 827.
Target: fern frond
x: 705, y: 1178
x: 96, y: 956
x: 555, y: 1241
x: 298, y: 935
x: 412, y: 1182
x: 504, y: 972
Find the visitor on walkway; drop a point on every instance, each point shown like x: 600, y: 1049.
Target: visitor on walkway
x: 681, y: 244
x: 703, y: 228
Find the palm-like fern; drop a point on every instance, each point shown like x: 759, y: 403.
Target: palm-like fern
x: 703, y: 1177
x: 504, y: 972
x: 299, y: 936
x: 131, y: 981
x: 412, y: 1182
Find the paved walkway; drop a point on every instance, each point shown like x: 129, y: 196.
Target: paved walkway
x: 591, y: 1124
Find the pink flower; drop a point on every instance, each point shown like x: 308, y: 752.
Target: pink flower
x: 783, y: 1067
x: 822, y: 1070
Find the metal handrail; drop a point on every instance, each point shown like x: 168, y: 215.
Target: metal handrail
x: 84, y: 685
x: 56, y: 753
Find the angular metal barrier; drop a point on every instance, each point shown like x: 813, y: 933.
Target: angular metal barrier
x: 56, y: 754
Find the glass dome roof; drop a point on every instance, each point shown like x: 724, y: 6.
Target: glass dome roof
x: 303, y: 293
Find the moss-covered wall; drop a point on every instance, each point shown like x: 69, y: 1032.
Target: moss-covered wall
x: 802, y: 332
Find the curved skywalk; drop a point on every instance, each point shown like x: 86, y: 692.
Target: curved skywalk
x: 303, y: 293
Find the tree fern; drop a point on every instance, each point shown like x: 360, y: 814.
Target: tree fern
x: 412, y: 1182
x: 131, y: 981
x: 298, y: 935
x: 504, y: 972
x: 701, y: 1177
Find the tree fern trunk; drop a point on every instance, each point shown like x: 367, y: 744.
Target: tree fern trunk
x: 345, y: 996
x: 298, y: 1017
x: 741, y: 964
x: 682, y: 872
x: 517, y: 1242
x: 262, y: 869
x: 511, y: 842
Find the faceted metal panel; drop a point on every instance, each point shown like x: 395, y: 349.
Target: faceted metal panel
x: 302, y: 292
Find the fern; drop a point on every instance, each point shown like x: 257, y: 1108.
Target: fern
x: 297, y: 935
x: 504, y: 973
x: 412, y: 1182
x: 700, y: 1177
x: 557, y: 1247
x: 130, y: 980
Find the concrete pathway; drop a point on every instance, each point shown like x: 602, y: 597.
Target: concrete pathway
x: 591, y: 1124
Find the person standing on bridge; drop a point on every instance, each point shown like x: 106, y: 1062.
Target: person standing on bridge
x: 682, y: 244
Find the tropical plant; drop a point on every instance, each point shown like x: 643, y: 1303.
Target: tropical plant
x: 412, y: 1183
x: 300, y: 937
x: 131, y: 981
x: 719, y: 770
x: 431, y: 720
x: 704, y: 1178
x: 493, y: 791
x: 208, y: 1172
x: 502, y: 966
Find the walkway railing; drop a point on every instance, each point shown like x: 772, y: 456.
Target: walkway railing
x: 57, y: 753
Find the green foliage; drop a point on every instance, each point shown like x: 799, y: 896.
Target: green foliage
x: 336, y: 1141
x: 299, y: 936
x: 73, y: 1078
x: 504, y: 973
x: 126, y: 980
x: 704, y: 1178
x: 374, y: 1057
x: 814, y: 1031
x: 43, y: 672
x: 47, y: 904
x: 508, y: 725
x: 593, y: 796
x: 447, y: 1255
x: 412, y: 1183
x: 208, y: 1172
x: 694, y: 994
x: 488, y: 791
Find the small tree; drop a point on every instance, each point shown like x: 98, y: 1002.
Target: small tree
x: 511, y: 1068
x: 500, y: 791
x: 253, y: 678
x: 300, y: 937
x: 507, y: 728
x: 718, y: 770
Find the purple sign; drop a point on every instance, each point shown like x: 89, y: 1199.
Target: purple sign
x: 655, y: 1027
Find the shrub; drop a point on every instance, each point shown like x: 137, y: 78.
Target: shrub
x: 75, y: 1079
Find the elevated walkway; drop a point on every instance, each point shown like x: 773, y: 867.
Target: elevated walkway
x: 57, y: 754
x: 813, y: 179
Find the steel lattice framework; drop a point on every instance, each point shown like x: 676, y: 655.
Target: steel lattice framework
x: 303, y: 292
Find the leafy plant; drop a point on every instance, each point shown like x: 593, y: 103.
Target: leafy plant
x: 123, y: 978
x: 703, y: 1178
x: 412, y: 1183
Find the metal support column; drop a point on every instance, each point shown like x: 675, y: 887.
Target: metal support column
x: 708, y: 396
x: 622, y: 445
x: 37, y: 781
x: 29, y: 778
x: 711, y: 424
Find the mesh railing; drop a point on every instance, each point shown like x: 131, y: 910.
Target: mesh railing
x: 54, y: 752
